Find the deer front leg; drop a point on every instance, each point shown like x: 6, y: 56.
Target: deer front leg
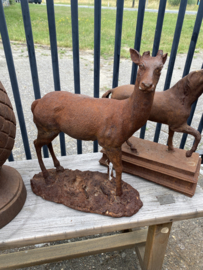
x: 114, y: 155
x: 170, y: 139
x: 189, y: 130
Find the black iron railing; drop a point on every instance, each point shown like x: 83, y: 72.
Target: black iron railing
x: 97, y: 41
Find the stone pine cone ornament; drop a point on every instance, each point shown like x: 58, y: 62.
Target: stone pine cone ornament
x: 7, y: 126
x: 12, y: 189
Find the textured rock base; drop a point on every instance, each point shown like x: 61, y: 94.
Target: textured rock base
x: 88, y: 192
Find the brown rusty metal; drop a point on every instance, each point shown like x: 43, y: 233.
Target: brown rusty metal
x: 12, y: 189
x: 12, y: 194
x: 155, y: 163
x: 7, y: 126
x: 88, y: 191
x: 109, y: 121
x: 171, y: 107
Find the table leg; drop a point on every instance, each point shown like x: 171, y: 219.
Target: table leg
x: 151, y: 254
x: 157, y: 239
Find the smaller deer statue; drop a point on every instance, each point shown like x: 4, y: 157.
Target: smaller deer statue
x: 109, y: 121
x: 171, y: 107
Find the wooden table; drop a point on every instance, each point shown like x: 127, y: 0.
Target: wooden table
x: 41, y: 221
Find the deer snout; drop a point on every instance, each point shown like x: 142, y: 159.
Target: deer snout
x: 146, y: 86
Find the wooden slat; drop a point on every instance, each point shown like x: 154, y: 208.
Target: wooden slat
x: 140, y: 250
x: 42, y: 221
x: 157, y: 239
x: 72, y: 250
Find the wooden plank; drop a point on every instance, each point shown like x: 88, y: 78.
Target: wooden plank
x: 71, y: 250
x: 157, y: 239
x: 41, y: 221
x: 140, y: 250
x: 155, y: 163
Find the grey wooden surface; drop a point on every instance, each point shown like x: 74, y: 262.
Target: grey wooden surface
x: 42, y: 221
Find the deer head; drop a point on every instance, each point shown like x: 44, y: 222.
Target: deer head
x: 149, y: 69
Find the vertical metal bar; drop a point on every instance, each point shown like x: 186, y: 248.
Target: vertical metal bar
x: 138, y: 36
x: 13, y: 78
x: 189, y: 61
x: 76, y: 64
x: 11, y: 157
x: 54, y: 57
x: 117, y: 48
x: 157, y: 38
x: 174, y: 49
x: 200, y: 127
x: 97, y: 41
x: 31, y: 52
x: 159, y: 25
x: 194, y: 38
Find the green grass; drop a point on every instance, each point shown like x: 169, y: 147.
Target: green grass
x: 86, y: 29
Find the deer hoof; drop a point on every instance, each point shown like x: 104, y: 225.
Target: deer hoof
x: 134, y: 150
x: 189, y: 153
x: 59, y: 168
x: 49, y: 180
x: 119, y: 193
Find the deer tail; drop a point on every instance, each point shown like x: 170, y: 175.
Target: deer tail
x: 34, y: 103
x: 106, y: 95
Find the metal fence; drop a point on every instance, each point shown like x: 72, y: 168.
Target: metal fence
x: 76, y: 59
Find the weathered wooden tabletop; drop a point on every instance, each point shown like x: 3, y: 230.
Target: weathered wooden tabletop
x: 42, y: 221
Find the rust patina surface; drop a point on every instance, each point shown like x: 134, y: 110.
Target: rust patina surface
x: 109, y: 121
x: 88, y: 191
x: 171, y: 107
x: 12, y: 189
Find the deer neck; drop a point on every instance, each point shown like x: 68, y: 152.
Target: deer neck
x: 138, y: 107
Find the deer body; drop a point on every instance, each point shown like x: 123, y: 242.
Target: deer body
x: 109, y: 121
x: 171, y: 107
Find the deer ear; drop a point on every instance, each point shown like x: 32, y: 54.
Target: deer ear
x: 135, y: 56
x: 164, y: 58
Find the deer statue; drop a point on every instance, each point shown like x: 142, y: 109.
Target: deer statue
x: 171, y: 107
x: 109, y: 121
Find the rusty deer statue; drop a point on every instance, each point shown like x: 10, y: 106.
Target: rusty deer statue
x: 171, y: 107
x: 109, y: 121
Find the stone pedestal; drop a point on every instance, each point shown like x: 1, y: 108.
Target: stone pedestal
x: 12, y: 194
x: 155, y: 163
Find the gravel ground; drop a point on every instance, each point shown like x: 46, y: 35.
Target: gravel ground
x: 185, y: 248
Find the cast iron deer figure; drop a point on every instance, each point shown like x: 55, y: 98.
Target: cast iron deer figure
x: 171, y: 107
x: 109, y: 121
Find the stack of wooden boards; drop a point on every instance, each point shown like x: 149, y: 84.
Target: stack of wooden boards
x: 155, y: 163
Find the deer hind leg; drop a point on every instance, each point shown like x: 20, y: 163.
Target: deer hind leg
x: 170, y: 139
x: 189, y: 130
x: 57, y: 165
x: 44, y: 139
x: 114, y: 155
x: 132, y: 147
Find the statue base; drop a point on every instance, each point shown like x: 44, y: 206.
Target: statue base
x: 12, y: 194
x: 154, y: 162
x: 88, y: 192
